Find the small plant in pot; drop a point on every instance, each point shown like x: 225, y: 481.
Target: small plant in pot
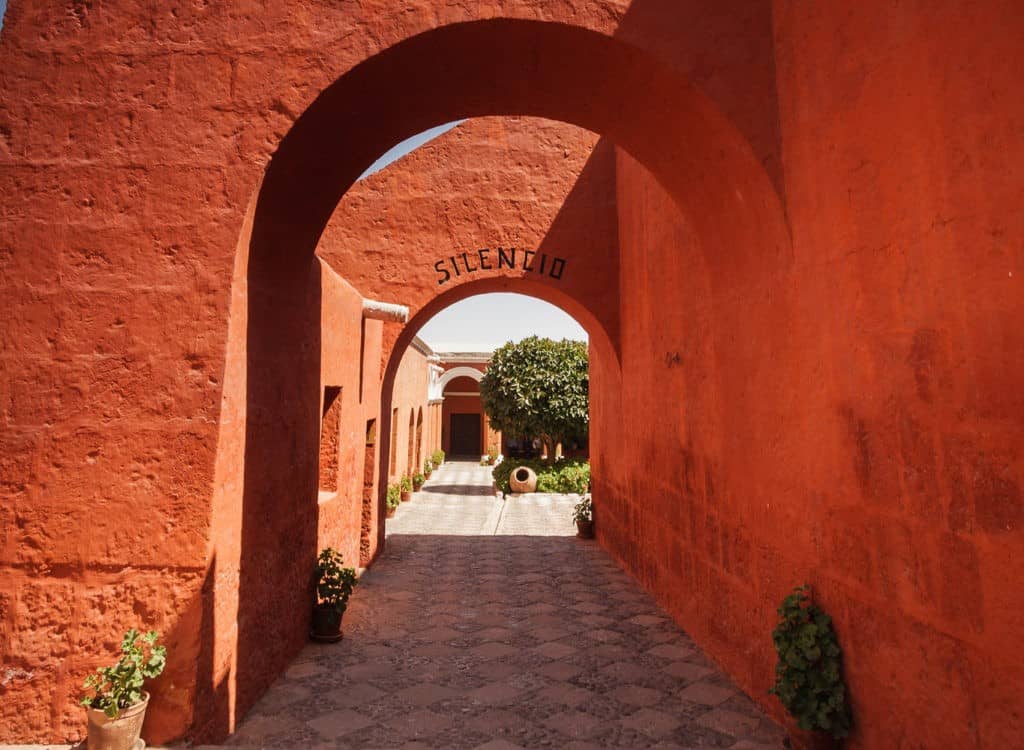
x: 808, y: 675
x: 437, y: 458
x: 406, y: 485
x: 114, y: 699
x: 394, y: 499
x: 583, y: 515
x: 428, y: 468
x: 417, y: 481
x: 333, y: 588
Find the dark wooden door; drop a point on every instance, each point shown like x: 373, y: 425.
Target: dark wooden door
x: 465, y: 435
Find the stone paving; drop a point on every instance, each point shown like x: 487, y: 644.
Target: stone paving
x: 487, y: 624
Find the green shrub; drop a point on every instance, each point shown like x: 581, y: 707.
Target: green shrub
x: 570, y: 477
x: 583, y: 511
x: 808, y: 675
x: 334, y: 583
x: 418, y: 480
x: 406, y: 484
x: 564, y: 476
x: 428, y: 466
x: 437, y: 457
x: 394, y: 496
x: 113, y: 689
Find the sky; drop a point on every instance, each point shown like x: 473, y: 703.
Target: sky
x: 409, y: 145
x: 486, y: 321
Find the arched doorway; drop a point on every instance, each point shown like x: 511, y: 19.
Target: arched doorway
x: 463, y: 420
x: 644, y: 106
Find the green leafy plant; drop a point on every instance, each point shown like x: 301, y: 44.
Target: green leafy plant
x: 113, y: 689
x: 540, y: 388
x: 583, y: 511
x: 334, y: 581
x: 808, y: 675
x: 570, y: 475
x: 428, y: 467
x: 394, y: 496
x: 406, y: 484
x: 418, y: 480
x: 437, y: 457
x: 567, y: 477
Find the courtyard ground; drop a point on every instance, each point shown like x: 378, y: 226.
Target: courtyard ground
x: 487, y: 624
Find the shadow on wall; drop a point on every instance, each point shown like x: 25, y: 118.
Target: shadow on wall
x: 279, y: 514
x: 727, y: 52
x: 588, y: 214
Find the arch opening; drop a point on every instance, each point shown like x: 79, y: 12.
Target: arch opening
x: 601, y: 351
x: 642, y: 105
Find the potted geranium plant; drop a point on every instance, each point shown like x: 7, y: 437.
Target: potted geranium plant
x: 428, y: 468
x: 437, y: 458
x: 334, y: 584
x: 808, y: 675
x: 583, y: 515
x: 417, y: 481
x: 114, y: 699
x: 406, y: 486
x: 394, y: 499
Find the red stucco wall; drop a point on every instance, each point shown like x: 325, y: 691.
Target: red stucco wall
x: 814, y: 338
x: 410, y: 397
x: 843, y: 417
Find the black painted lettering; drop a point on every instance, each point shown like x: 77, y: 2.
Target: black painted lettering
x: 526, y: 259
x: 465, y: 262
x: 506, y: 260
x: 558, y: 263
x: 454, y: 265
x: 543, y: 262
x: 485, y: 263
x: 439, y: 267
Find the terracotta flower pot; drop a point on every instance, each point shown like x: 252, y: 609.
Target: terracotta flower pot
x: 390, y: 512
x: 325, y: 627
x: 406, y: 496
x: 121, y: 733
x: 585, y: 529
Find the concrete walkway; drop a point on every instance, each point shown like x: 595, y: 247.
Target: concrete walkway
x: 487, y: 624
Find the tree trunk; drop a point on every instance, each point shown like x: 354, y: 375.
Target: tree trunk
x: 549, y: 448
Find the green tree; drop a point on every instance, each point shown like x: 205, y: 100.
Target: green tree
x: 539, y: 388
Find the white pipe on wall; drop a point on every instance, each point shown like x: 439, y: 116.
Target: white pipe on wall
x: 378, y: 310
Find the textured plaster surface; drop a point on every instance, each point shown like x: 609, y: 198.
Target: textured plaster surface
x: 814, y: 375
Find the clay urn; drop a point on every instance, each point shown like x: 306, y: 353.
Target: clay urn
x: 523, y: 479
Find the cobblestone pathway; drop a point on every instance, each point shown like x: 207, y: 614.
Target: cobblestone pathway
x: 486, y: 624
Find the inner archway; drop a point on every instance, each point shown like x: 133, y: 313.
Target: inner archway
x: 604, y: 363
